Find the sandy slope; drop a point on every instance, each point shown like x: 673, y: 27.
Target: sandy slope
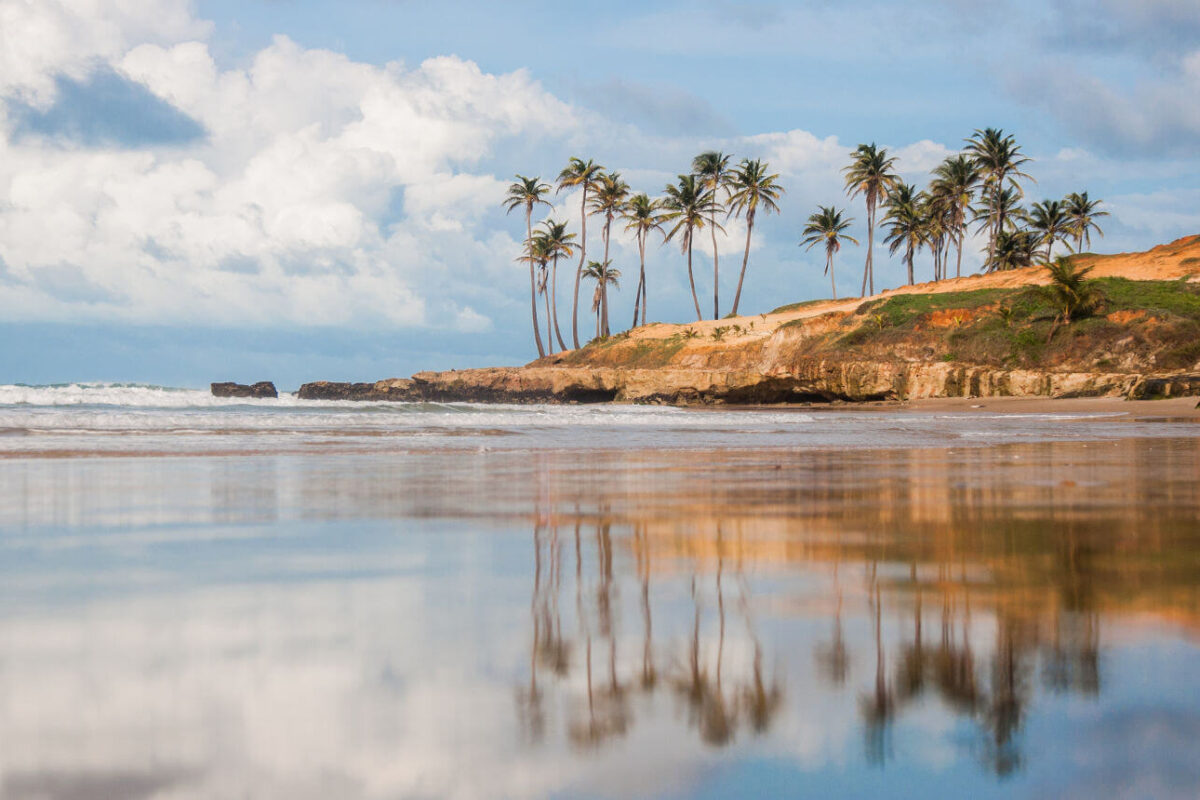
x: 1178, y: 259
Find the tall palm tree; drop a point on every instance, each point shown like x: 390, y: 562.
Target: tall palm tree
x: 1082, y: 213
x: 712, y: 168
x: 583, y: 174
x: 560, y: 246
x: 955, y: 180
x: 751, y: 188
x: 642, y: 215
x: 604, y: 275
x: 870, y: 174
x: 999, y: 160
x: 827, y: 226
x: 1049, y: 221
x: 610, y: 194
x: 905, y: 223
x: 687, y: 204
x: 539, y: 254
x: 526, y: 193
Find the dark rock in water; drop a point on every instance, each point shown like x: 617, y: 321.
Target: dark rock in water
x: 260, y: 389
x: 1162, y: 387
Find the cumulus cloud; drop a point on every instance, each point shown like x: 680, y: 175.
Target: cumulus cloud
x: 283, y: 212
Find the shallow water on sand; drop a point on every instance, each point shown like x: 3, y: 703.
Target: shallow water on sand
x: 768, y: 604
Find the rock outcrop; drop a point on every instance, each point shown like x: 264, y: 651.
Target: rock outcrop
x: 259, y: 390
x: 817, y: 382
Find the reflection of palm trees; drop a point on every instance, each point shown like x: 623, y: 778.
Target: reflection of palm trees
x: 832, y: 660
x: 878, y: 707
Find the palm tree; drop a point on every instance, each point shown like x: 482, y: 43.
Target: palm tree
x: 955, y: 181
x: 527, y: 192
x: 870, y: 174
x: 559, y: 246
x: 905, y: 223
x: 1014, y: 248
x: 686, y: 205
x: 1070, y: 293
x: 713, y: 170
x: 1049, y: 220
x: 539, y: 254
x: 641, y: 215
x: 1003, y: 206
x: 751, y: 188
x: 827, y: 226
x: 999, y: 160
x: 583, y: 174
x: 935, y: 214
x: 1082, y: 214
x: 609, y: 199
x: 604, y: 275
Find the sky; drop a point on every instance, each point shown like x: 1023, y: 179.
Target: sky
x: 293, y: 190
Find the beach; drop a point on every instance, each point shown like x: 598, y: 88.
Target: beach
x: 217, y: 598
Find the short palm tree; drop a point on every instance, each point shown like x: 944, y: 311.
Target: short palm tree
x: 583, y: 174
x: 1082, y: 214
x: 1070, y: 293
x: 688, y: 204
x: 870, y: 174
x: 712, y: 168
x: 1014, y: 249
x: 905, y: 223
x: 608, y: 200
x: 955, y: 181
x: 999, y: 160
x: 605, y: 275
x: 526, y: 193
x: 829, y: 228
x: 560, y: 246
x: 642, y: 215
x: 751, y: 189
x: 1050, y: 222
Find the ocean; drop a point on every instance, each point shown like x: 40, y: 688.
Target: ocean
x: 212, y: 598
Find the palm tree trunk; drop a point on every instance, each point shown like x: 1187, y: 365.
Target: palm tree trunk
x: 869, y: 269
x: 554, y: 302
x: 909, y: 260
x: 604, y: 283
x: 716, y: 287
x: 692, y: 281
x: 637, y: 299
x: 737, y: 298
x: 549, y: 318
x: 579, y: 270
x: 537, y: 331
x: 958, y: 269
x: 829, y: 269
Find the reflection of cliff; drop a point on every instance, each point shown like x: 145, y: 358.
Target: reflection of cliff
x: 977, y: 595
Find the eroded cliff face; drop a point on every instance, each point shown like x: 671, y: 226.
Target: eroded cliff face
x: 985, y: 336
x: 771, y: 371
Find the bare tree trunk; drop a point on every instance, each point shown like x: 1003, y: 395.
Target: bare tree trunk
x: 737, y: 298
x: 549, y: 326
x: 692, y: 281
x: 554, y: 302
x: 579, y: 270
x: 909, y: 259
x: 958, y: 270
x: 537, y: 332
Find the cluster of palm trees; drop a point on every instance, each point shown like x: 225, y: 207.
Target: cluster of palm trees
x: 713, y: 191
x: 981, y: 186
